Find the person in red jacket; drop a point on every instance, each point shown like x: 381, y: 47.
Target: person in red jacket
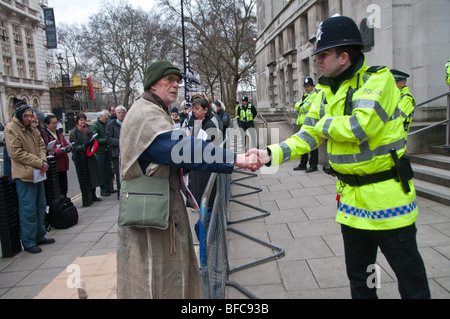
x: 60, y: 149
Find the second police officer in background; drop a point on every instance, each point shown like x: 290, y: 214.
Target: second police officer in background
x: 377, y: 205
x: 407, y: 102
x: 303, y: 107
x: 247, y: 113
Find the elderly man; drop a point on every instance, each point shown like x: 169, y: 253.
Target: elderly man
x: 103, y: 154
x: 154, y: 263
x: 26, y: 149
x: 112, y: 137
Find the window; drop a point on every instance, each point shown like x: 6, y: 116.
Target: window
x: 7, y: 65
x: 32, y: 70
x: 3, y: 31
x: 304, y: 32
x: 20, y: 70
x: 280, y: 44
x: 16, y: 35
x: 291, y: 37
x: 29, y: 38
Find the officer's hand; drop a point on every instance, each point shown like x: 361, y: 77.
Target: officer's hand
x: 263, y: 156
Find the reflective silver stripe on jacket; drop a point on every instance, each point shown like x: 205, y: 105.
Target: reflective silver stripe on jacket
x: 310, y: 121
x: 372, y: 104
x: 286, y: 152
x: 366, y: 154
x: 303, y: 135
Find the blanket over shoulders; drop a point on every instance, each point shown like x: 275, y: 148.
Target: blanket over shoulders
x: 144, y: 122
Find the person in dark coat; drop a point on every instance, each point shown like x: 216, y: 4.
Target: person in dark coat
x: 103, y: 153
x: 60, y: 149
x: 112, y: 137
x: 205, y: 129
x: 81, y: 137
x: 223, y: 116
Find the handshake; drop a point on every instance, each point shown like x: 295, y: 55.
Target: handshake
x: 253, y: 159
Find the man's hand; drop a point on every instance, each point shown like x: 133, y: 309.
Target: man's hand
x: 247, y: 162
x: 263, y: 156
x: 44, y: 168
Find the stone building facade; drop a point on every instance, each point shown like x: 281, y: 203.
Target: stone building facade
x: 410, y: 35
x: 23, y: 56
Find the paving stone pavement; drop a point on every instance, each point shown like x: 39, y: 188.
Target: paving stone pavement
x: 302, y: 208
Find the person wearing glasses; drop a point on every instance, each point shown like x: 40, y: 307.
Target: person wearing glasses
x: 155, y: 263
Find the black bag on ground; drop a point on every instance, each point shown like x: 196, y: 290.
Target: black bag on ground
x: 62, y: 214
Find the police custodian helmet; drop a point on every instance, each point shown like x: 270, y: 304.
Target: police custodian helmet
x: 337, y: 31
x: 308, y: 81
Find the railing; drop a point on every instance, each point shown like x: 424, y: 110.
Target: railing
x: 214, y: 225
x: 447, y: 134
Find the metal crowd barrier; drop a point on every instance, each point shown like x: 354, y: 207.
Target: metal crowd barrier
x: 214, y: 264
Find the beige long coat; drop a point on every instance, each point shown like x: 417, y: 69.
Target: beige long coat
x: 26, y: 147
x: 154, y: 263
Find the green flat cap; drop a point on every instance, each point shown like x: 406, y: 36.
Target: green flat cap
x: 158, y: 70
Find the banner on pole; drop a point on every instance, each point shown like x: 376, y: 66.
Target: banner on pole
x: 50, y: 28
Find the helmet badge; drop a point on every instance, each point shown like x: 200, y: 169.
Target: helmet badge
x: 319, y: 32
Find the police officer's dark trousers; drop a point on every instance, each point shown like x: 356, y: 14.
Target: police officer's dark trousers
x: 400, y: 249
x: 313, y: 159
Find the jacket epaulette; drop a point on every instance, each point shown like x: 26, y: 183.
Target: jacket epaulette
x: 375, y: 68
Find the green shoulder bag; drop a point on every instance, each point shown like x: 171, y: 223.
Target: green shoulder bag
x: 145, y: 202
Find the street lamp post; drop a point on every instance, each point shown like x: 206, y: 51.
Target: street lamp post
x: 60, y: 62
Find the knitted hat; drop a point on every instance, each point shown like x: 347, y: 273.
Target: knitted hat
x: 20, y: 107
x: 158, y: 70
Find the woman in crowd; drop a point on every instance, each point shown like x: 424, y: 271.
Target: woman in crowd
x: 86, y: 166
x: 60, y: 150
x: 205, y: 129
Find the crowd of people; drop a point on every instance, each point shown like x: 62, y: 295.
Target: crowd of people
x: 363, y: 113
x: 95, y: 153
x: 33, y: 139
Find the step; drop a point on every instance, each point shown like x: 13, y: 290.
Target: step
x: 431, y: 159
x: 437, y: 193
x: 437, y: 176
x: 440, y: 149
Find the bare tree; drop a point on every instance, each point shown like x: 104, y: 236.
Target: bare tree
x: 120, y: 42
x: 220, y: 40
x: 69, y: 39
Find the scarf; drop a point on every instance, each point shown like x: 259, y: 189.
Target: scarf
x: 152, y: 97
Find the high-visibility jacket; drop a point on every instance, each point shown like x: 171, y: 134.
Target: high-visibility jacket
x: 406, y: 107
x: 247, y: 113
x: 358, y: 142
x: 304, y: 105
x: 237, y: 111
x: 447, y: 67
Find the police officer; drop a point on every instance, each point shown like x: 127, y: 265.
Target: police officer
x: 303, y: 107
x: 237, y: 111
x: 407, y: 102
x: 247, y: 113
x: 447, y: 70
x: 353, y: 112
